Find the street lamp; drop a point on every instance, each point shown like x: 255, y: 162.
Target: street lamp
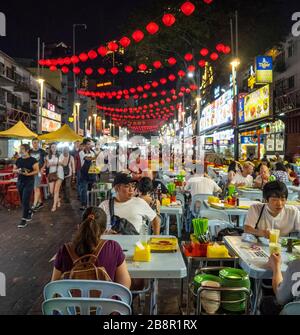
x: 40, y: 104
x: 95, y: 121
x: 234, y: 65
x: 77, y: 116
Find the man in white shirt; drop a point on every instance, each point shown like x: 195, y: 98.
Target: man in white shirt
x: 245, y: 178
x: 199, y: 184
x: 275, y: 213
x: 126, y: 206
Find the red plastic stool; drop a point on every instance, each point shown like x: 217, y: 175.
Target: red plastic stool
x: 12, y: 198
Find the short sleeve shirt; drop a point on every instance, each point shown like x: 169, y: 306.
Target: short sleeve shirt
x: 111, y: 257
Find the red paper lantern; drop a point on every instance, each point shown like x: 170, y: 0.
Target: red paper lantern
x: 74, y: 59
x: 172, y: 61
x: 101, y: 71
x: 227, y: 50
x: 48, y: 62
x: 89, y: 71
x: 168, y: 20
x: 202, y: 63
x: 65, y: 69
x: 181, y: 73
x: 145, y: 95
x: 128, y: 68
x: 204, y: 52
x: 174, y: 97
x: 172, y: 77
x: 163, y: 81
x: 143, y: 67
x: 125, y: 42
x: 136, y: 96
x: 102, y: 51
x: 137, y: 36
x: 67, y: 60
x: 180, y: 94
x: 173, y: 91
x: 154, y: 94
x: 152, y: 28
x: 114, y: 71
x: 132, y: 90
x: 53, y: 68
x: 214, y: 56
x: 113, y: 46
x: 163, y: 93
x: 154, y: 84
x: 208, y: 1
x: 168, y: 100
x: 188, y: 8
x: 188, y: 91
x: 59, y: 61
x: 147, y: 87
x: 42, y: 62
x: 140, y: 89
x: 191, y: 68
x: 220, y: 47
x: 188, y: 57
x: 83, y: 57
x: 92, y: 54
x: 76, y: 70
x: 157, y: 64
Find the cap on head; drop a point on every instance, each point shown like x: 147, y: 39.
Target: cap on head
x: 123, y: 178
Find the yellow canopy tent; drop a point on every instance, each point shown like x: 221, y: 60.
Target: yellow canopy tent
x: 64, y: 134
x: 19, y: 130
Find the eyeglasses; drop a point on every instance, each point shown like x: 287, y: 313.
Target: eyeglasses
x: 132, y: 185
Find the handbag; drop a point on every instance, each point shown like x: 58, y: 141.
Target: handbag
x: 66, y: 168
x: 119, y: 225
x: 53, y: 177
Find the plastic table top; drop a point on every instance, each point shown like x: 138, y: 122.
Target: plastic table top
x: 233, y: 211
x: 171, y: 210
x: 161, y: 266
x: 254, y: 265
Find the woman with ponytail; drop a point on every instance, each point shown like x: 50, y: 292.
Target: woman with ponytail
x: 86, y: 240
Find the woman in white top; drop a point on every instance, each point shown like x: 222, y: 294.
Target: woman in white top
x: 275, y: 213
x: 55, y: 167
x: 68, y: 167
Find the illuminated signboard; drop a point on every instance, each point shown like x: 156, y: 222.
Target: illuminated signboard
x: 264, y: 70
x: 255, y: 105
x: 217, y: 113
x: 50, y: 125
x: 51, y: 121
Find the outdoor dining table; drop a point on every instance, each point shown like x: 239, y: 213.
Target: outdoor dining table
x: 257, y: 194
x: 239, y: 212
x: 161, y: 266
x: 172, y: 210
x: 254, y: 262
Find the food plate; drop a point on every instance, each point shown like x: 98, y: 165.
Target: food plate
x: 163, y: 244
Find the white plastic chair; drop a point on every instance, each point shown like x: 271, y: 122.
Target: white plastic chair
x: 107, y: 290
x: 85, y: 306
x: 292, y: 308
x: 215, y: 226
x: 217, y: 214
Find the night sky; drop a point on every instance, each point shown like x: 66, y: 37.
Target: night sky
x: 53, y: 20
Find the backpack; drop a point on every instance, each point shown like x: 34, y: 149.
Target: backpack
x: 229, y: 232
x: 85, y: 268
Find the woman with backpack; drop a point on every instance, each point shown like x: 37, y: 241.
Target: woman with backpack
x: 55, y: 175
x: 88, y: 256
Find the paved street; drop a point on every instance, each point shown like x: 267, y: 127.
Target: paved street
x: 26, y: 254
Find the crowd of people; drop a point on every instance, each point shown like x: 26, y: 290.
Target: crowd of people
x: 137, y: 201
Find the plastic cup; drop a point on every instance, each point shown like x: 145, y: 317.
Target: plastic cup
x: 274, y: 235
x: 231, y: 190
x: 275, y: 248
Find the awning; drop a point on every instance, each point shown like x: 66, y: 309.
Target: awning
x: 64, y: 134
x: 19, y: 131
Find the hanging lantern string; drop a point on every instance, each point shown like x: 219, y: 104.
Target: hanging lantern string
x: 142, y: 68
x: 152, y: 28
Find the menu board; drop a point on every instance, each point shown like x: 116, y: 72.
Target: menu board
x: 217, y: 113
x: 255, y: 105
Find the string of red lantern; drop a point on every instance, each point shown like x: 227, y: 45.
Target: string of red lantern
x: 152, y: 28
x: 154, y: 94
x: 204, y: 52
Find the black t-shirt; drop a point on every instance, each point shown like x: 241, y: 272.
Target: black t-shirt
x: 26, y: 164
x: 39, y: 155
